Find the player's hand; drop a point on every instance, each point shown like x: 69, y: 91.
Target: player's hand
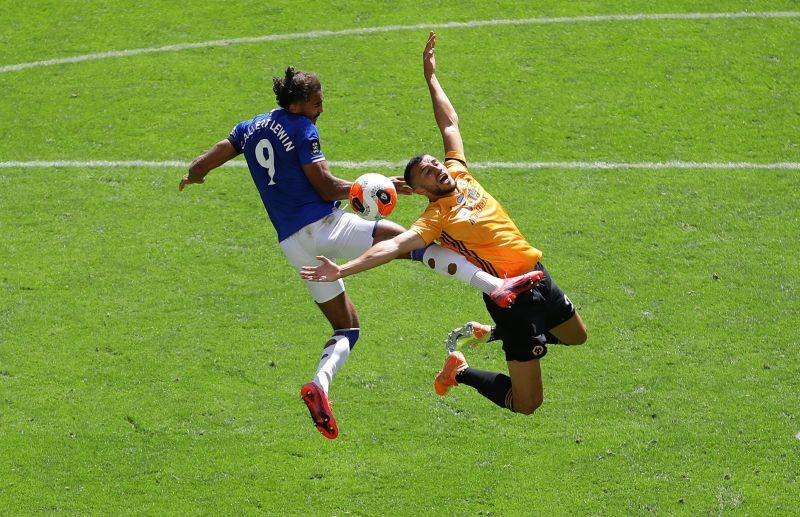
x: 429, y: 56
x: 328, y: 271
x: 188, y: 181
x: 400, y: 185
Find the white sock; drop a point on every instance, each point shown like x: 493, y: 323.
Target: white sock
x: 333, y: 357
x: 485, y: 282
x: 451, y: 264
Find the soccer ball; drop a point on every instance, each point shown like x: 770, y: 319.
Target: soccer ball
x: 373, y: 196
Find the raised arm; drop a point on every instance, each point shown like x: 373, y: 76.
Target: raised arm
x: 443, y: 110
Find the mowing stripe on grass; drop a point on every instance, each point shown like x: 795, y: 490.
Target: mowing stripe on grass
x: 379, y: 164
x: 394, y: 28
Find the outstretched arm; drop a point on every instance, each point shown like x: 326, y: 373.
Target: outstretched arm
x: 378, y: 254
x: 443, y: 110
x: 211, y: 159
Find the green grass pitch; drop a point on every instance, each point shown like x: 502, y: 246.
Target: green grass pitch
x: 152, y: 343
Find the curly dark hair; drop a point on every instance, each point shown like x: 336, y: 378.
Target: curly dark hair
x: 412, y: 162
x: 295, y: 86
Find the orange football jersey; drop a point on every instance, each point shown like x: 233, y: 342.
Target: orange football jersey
x: 471, y: 222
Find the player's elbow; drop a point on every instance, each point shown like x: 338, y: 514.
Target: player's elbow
x: 450, y: 127
x: 330, y: 196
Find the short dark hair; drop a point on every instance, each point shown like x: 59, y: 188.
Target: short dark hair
x: 412, y: 162
x: 295, y: 86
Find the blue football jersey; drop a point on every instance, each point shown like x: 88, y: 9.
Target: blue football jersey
x: 276, y: 145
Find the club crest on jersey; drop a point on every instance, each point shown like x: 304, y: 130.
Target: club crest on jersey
x: 315, y: 148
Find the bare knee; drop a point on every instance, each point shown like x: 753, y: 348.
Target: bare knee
x: 340, y: 312
x: 575, y: 337
x: 571, y: 332
x: 529, y: 406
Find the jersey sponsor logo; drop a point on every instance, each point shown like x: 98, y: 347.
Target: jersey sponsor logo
x: 464, y: 213
x: 471, y: 211
x: 315, y: 147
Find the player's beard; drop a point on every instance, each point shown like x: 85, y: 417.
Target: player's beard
x: 442, y: 190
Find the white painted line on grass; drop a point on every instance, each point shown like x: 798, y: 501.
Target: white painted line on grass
x: 636, y: 165
x: 380, y: 164
x: 394, y: 28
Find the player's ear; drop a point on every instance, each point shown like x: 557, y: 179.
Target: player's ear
x: 294, y: 108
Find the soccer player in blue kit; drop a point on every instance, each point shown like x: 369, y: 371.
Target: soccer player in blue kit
x: 283, y: 153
